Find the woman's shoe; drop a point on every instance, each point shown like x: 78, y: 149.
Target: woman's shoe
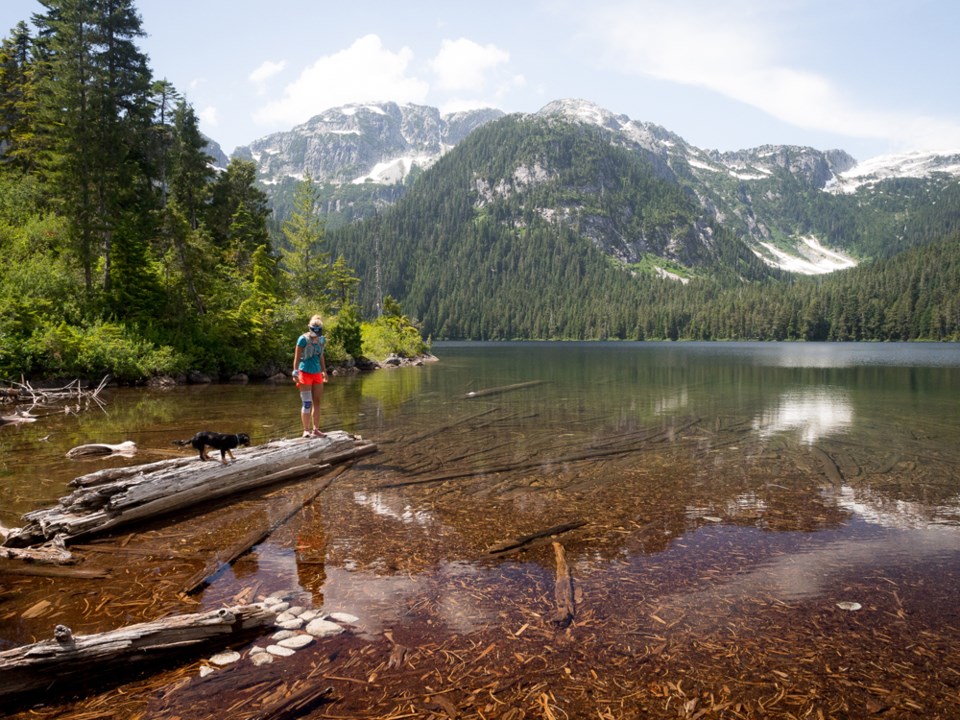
x: 317, y: 433
x: 307, y: 433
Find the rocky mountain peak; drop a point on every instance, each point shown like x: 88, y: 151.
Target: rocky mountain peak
x: 360, y: 142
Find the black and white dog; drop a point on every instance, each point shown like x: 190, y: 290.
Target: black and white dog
x: 218, y: 441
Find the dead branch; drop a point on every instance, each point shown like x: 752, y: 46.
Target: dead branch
x: 563, y: 590
x: 527, y: 539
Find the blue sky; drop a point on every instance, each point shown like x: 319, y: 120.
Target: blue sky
x: 869, y: 76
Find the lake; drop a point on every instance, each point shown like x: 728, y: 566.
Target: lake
x: 751, y: 529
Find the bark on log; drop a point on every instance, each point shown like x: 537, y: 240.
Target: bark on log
x: 153, y: 489
x: 67, y: 659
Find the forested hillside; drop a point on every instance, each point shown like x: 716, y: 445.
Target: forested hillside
x: 537, y: 229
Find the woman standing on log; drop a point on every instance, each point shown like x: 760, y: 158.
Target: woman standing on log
x: 310, y: 373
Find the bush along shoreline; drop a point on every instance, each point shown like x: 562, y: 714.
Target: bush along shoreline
x: 277, y: 375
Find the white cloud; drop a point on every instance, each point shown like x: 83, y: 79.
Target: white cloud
x: 208, y: 116
x: 366, y: 71
x: 463, y: 65
x: 262, y: 74
x: 736, y: 49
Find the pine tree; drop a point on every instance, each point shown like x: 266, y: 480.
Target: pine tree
x: 303, y: 260
x: 93, y: 117
x: 15, y: 94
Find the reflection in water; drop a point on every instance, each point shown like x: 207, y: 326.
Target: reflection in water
x: 815, y: 412
x: 381, y: 505
x: 878, y: 509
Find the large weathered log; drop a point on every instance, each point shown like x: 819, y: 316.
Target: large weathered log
x: 154, y: 489
x: 67, y: 659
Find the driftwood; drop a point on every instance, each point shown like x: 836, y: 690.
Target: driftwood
x: 118, y: 496
x: 68, y: 659
x: 563, y: 590
x: 503, y: 389
x: 51, y: 553
x: 74, y: 392
x: 127, y: 448
x: 57, y: 571
x: 527, y: 539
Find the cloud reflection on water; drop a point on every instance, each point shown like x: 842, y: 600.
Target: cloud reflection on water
x: 814, y: 412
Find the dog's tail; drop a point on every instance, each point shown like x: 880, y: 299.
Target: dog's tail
x: 181, y: 443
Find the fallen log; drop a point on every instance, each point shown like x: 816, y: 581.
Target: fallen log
x: 527, y: 539
x: 126, y: 448
x: 830, y: 468
x: 503, y: 389
x: 51, y: 553
x: 68, y: 659
x: 50, y: 571
x: 154, y: 489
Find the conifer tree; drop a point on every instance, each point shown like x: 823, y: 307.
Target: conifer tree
x: 304, y: 261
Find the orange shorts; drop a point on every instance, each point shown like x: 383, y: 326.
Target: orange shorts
x: 308, y: 378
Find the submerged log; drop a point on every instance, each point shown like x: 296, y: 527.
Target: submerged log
x: 527, y: 539
x: 503, y: 389
x: 108, y: 499
x: 68, y: 659
x: 127, y: 447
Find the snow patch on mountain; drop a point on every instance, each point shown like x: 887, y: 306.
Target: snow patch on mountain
x: 909, y: 165
x: 393, y: 171
x: 813, y: 258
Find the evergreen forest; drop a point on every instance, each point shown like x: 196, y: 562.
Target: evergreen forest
x: 475, y: 252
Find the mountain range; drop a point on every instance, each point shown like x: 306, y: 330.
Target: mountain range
x: 575, y: 206
x: 372, y: 150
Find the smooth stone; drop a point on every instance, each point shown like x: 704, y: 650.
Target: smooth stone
x: 280, y: 607
x: 225, y: 658
x: 256, y: 650
x: 344, y: 618
x: 294, y: 624
x: 308, y: 615
x: 206, y: 670
x: 282, y: 634
x: 261, y: 658
x: 279, y: 651
x: 296, y: 642
x: 296, y: 609
x: 323, y: 628
x: 285, y: 615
